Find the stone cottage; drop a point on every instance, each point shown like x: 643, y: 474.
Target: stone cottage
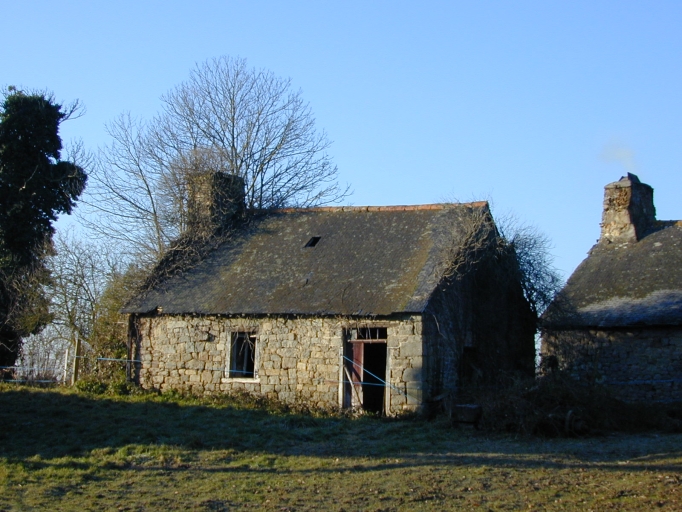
x: 618, y: 321
x: 351, y: 307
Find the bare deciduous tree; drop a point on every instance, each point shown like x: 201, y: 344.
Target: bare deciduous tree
x: 78, y: 275
x: 226, y: 117
x: 88, y: 287
x: 478, y: 238
x: 80, y: 272
x: 540, y: 280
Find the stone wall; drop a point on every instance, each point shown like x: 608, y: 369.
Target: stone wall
x: 405, y: 361
x: 635, y: 365
x: 480, y: 329
x: 297, y: 359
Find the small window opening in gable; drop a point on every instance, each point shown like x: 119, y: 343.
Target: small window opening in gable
x: 243, y: 355
x: 313, y: 241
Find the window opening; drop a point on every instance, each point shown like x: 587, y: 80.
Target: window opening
x: 243, y: 355
x: 313, y: 241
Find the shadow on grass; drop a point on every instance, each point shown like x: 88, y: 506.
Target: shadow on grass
x: 56, y: 424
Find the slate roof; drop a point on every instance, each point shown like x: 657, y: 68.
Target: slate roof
x: 625, y: 285
x: 368, y: 261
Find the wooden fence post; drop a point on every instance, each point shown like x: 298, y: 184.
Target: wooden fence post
x: 66, y: 366
x: 76, y: 361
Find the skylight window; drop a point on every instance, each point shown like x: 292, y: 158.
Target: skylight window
x: 313, y: 241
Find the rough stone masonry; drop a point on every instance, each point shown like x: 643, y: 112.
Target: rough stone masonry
x: 296, y: 359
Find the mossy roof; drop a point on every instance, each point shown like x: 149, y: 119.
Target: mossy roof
x: 369, y: 261
x: 625, y: 285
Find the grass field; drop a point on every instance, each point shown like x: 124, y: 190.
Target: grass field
x: 62, y: 450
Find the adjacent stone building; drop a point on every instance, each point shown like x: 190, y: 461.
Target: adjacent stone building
x: 379, y: 308
x: 618, y: 321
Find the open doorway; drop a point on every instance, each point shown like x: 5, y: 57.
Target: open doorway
x: 365, y: 369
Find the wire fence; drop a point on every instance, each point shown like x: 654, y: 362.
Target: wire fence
x: 64, y: 371
x: 55, y: 373
x: 382, y: 381
x: 37, y: 373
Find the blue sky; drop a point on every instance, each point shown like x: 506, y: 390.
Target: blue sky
x: 535, y: 105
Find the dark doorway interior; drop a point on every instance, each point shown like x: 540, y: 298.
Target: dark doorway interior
x: 374, y: 376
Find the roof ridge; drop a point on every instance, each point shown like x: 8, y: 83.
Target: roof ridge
x: 388, y: 208
x: 669, y: 223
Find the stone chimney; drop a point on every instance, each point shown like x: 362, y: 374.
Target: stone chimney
x: 629, y: 210
x: 214, y: 199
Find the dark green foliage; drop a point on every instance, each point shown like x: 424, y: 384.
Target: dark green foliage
x: 35, y: 187
x: 91, y: 386
x: 24, y: 309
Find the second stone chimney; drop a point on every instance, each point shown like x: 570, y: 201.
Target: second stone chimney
x: 629, y: 210
x: 214, y: 199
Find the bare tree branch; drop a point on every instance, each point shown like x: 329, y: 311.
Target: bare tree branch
x: 521, y: 247
x: 226, y: 117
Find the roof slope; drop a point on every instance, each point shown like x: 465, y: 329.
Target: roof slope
x: 625, y: 285
x: 368, y: 261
